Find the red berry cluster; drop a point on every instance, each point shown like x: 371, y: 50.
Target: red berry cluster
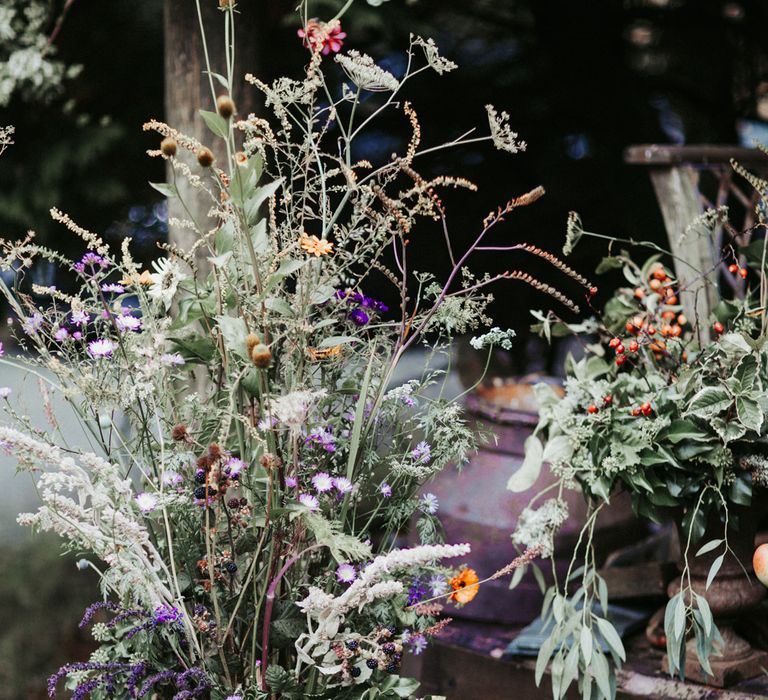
x: 733, y: 268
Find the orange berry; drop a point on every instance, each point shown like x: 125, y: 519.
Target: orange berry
x: 607, y: 400
x: 668, y: 315
x: 592, y: 291
x: 682, y: 320
x: 718, y: 327
x: 635, y: 411
x: 592, y: 408
x: 666, y: 330
x: 760, y: 564
x: 638, y: 321
x: 614, y: 342
x: 639, y: 293
x: 677, y: 331
x: 633, y: 346
x: 651, y: 330
x: 619, y: 349
x: 655, y: 285
x: 630, y: 327
x: 659, y: 274
x: 743, y: 272
x: 621, y: 359
x: 672, y: 300
x: 733, y: 267
x: 646, y: 409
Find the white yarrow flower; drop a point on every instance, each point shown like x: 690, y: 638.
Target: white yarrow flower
x: 502, y: 135
x: 363, y: 72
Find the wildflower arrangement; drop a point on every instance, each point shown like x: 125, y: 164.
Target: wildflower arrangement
x: 251, y: 462
x: 667, y: 408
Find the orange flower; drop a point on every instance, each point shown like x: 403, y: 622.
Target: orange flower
x: 315, y: 246
x: 465, y: 586
x: 144, y: 278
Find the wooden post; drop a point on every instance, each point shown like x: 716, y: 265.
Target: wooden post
x: 188, y: 90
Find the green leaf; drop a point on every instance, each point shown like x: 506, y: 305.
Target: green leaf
x: 728, y: 430
x: 747, y: 373
x: 343, y: 547
x: 165, y: 188
x: 611, y: 637
x: 334, y: 340
x: 234, y: 331
x: 741, y: 491
x: 601, y: 673
x: 734, y: 344
x: 609, y: 263
x: 709, y: 401
x: 713, y: 570
x: 279, y: 306
x: 706, y: 613
x: 709, y: 546
x: 545, y: 653
x: 585, y: 642
x: 216, y: 123
x: 259, y: 196
x: 749, y: 412
x: 529, y: 470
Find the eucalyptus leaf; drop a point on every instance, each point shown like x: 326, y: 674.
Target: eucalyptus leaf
x: 529, y: 470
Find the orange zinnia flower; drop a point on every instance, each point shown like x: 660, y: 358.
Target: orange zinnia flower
x: 465, y: 586
x: 144, y: 278
x: 315, y: 246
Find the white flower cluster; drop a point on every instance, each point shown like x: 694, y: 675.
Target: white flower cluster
x: 328, y: 611
x: 25, y: 56
x: 6, y: 137
x: 492, y: 338
x: 437, y: 62
x: 503, y: 137
x: 363, y: 72
x: 292, y: 409
x: 538, y: 527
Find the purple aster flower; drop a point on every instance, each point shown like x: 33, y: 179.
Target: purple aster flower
x: 418, y: 643
x: 422, y: 453
x: 291, y: 482
x: 172, y: 478
x: 429, y: 503
x: 77, y: 335
x: 437, y: 585
x: 322, y: 437
x: 101, y: 348
x: 61, y: 334
x: 322, y: 482
x: 147, y: 502
x: 341, y: 294
x: 380, y: 307
x: 172, y: 359
x: 386, y: 490
x: 342, y: 484
x: 80, y: 317
x: 33, y: 323
x: 112, y: 288
x: 359, y: 317
x: 417, y: 591
x: 309, y: 501
x: 127, y: 323
x: 345, y: 573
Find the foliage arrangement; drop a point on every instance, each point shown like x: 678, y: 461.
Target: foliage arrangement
x: 252, y: 465
x: 668, y: 409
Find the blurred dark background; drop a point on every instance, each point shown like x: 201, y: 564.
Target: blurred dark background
x: 581, y: 81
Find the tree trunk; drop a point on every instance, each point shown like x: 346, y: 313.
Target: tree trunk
x: 188, y: 90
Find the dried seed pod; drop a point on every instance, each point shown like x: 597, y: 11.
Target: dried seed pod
x: 251, y: 341
x: 168, y: 147
x: 261, y: 356
x: 205, y: 157
x: 225, y: 106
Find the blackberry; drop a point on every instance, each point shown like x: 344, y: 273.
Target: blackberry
x: 355, y: 671
x: 200, y: 492
x: 234, y: 503
x: 388, y: 648
x: 392, y: 629
x: 200, y: 477
x: 231, y: 567
x: 243, y: 502
x: 352, y: 645
x: 372, y: 664
x: 391, y: 667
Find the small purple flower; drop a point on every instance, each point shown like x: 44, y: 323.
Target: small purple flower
x: 33, y: 323
x: 417, y: 591
x: 429, y: 503
x: 437, y: 585
x: 341, y: 294
x: 234, y: 697
x: 101, y: 348
x: 127, y: 323
x: 322, y: 482
x: 172, y: 359
x: 112, y: 288
x: 418, y: 643
x: 322, y: 437
x: 422, y: 453
x: 92, y: 261
x: 309, y: 501
x: 342, y: 484
x: 147, y: 502
x: 172, y: 478
x: 345, y: 573
x: 61, y: 334
x: 80, y: 317
x: 166, y: 613
x: 291, y: 482
x: 2, y: 350
x: 77, y: 335
x: 386, y: 490
x: 233, y: 467
x: 359, y: 317
x: 5, y: 392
